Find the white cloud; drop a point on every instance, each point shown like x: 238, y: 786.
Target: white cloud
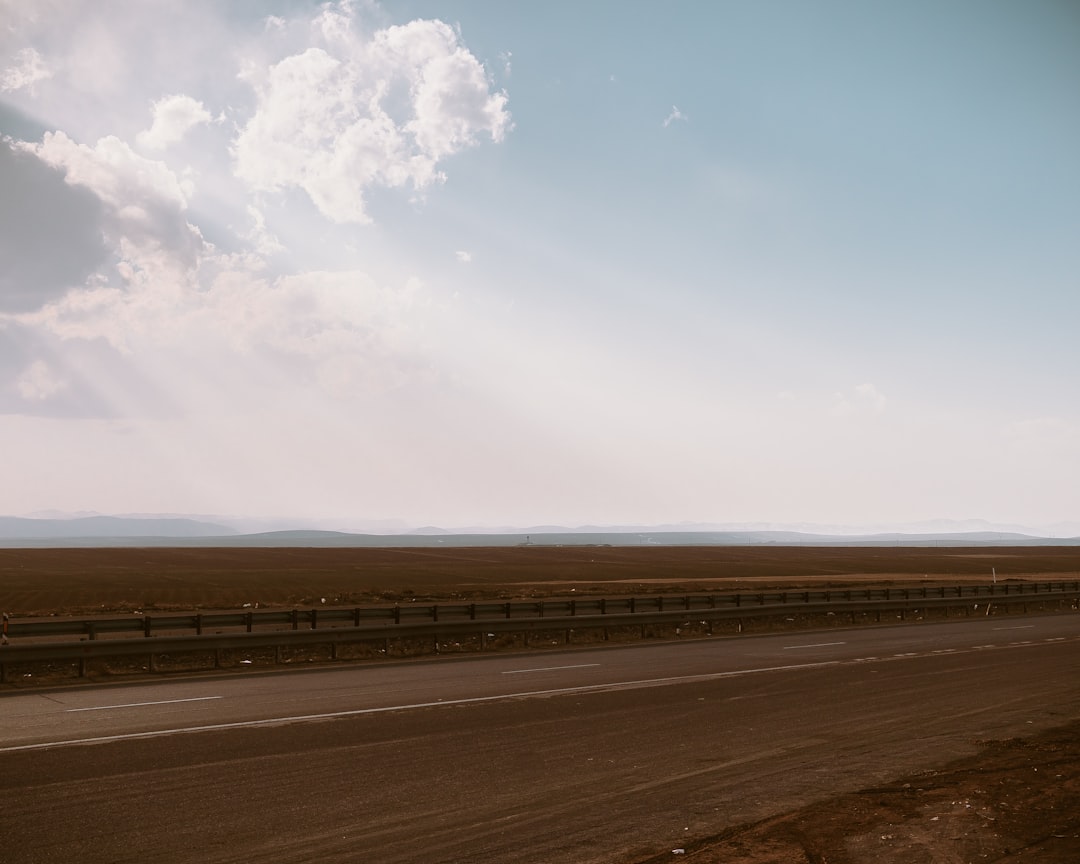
x: 29, y: 68
x: 173, y: 117
x: 868, y: 395
x: 463, y: 257
x: 327, y: 107
x: 675, y: 114
x: 261, y: 240
x: 111, y: 169
x: 39, y: 382
x: 338, y: 119
x: 861, y: 399
x: 154, y: 248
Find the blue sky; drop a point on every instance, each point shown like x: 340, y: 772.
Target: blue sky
x: 476, y: 263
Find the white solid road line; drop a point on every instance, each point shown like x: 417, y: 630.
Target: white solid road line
x: 141, y: 704
x: 815, y: 645
x: 1018, y: 627
x: 548, y: 668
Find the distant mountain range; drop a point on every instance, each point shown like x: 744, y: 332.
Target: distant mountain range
x: 104, y: 527
x: 104, y: 531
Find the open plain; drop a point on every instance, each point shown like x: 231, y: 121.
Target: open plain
x: 84, y: 581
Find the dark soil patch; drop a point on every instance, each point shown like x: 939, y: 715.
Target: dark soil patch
x: 1018, y: 800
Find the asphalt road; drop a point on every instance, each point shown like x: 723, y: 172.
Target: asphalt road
x: 606, y: 755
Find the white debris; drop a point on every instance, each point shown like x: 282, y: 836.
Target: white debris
x: 678, y: 851
x: 245, y: 661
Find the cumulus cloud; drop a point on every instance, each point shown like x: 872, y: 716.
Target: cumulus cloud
x: 29, y: 68
x: 352, y: 114
x: 463, y: 257
x: 140, y: 295
x: 173, y: 117
x: 111, y: 169
x: 143, y: 219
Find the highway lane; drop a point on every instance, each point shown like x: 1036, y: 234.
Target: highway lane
x: 90, y: 715
x: 651, y: 746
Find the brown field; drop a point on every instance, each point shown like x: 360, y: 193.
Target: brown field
x: 81, y: 581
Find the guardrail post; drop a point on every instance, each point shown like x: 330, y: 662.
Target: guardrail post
x: 603, y: 607
x: 508, y: 609
x: 397, y: 614
x: 633, y: 605
x: 356, y: 617
x: 435, y: 612
x: 540, y: 606
x: 248, y: 621
x: 472, y: 615
x: 91, y: 630
x: 198, y: 624
x: 573, y: 607
x: 146, y: 626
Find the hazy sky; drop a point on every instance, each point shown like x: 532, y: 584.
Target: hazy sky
x: 467, y: 263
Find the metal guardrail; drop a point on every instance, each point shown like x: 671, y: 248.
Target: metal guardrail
x: 249, y: 621
x: 643, y: 612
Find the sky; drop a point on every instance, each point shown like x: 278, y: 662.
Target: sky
x: 474, y: 263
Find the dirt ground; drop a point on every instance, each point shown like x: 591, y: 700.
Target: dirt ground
x: 84, y: 581
x: 1016, y: 801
